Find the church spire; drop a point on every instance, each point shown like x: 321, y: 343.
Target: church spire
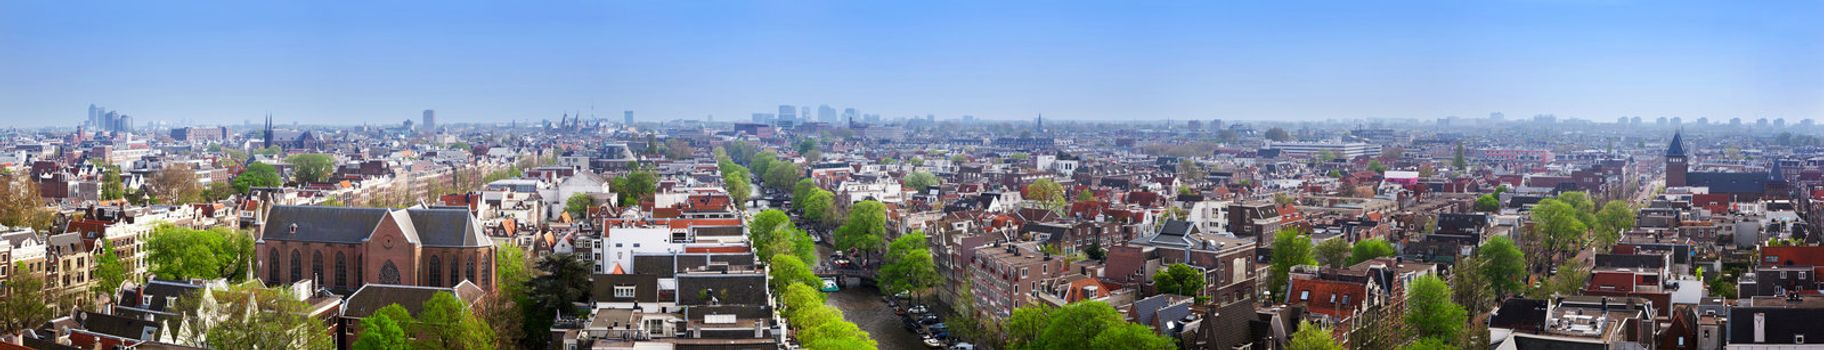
x: 1677, y: 148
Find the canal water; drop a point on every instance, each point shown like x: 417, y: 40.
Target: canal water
x: 864, y: 306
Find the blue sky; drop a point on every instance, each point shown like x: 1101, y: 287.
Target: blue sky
x: 382, y: 62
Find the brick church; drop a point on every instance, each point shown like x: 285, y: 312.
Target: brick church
x: 1735, y: 186
x: 344, y: 248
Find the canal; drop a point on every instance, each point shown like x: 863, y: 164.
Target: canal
x: 864, y: 306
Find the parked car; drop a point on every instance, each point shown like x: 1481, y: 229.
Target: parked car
x: 934, y: 343
x: 918, y: 310
x: 962, y: 346
x: 830, y: 286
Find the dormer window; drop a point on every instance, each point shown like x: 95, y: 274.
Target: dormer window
x: 294, y: 228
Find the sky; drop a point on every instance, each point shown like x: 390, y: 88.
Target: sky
x: 382, y: 62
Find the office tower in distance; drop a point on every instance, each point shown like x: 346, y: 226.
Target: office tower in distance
x: 430, y: 121
x: 627, y: 118
x: 804, y: 112
x: 848, y: 114
x: 788, y: 113
x: 826, y: 114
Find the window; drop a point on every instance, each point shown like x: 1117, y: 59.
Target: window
x: 389, y: 274
x: 297, y: 266
x: 316, y: 266
x: 1332, y: 298
x: 272, y: 265
x: 1022, y: 272
x: 623, y: 291
x: 436, y: 270
x: 341, y: 270
x: 470, y: 269
x: 636, y: 245
x: 1304, y: 295
x: 617, y: 245
x: 1345, y: 300
x: 455, y: 271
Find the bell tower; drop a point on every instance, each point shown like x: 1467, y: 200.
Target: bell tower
x: 1675, y: 161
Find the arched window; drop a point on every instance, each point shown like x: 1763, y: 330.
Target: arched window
x: 436, y: 270
x: 272, y: 265
x: 389, y: 274
x: 487, y: 270
x: 341, y: 271
x: 316, y: 266
x: 455, y: 271
x: 297, y: 266
x: 470, y: 269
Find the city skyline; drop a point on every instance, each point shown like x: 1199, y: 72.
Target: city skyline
x: 349, y: 64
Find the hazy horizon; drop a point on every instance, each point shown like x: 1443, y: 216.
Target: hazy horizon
x: 382, y: 63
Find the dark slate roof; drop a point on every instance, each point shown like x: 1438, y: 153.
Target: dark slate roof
x: 321, y: 224
x: 1630, y: 261
x: 1781, y: 322
x: 1176, y: 228
x: 1729, y: 182
x: 1677, y: 148
x: 731, y: 289
x: 660, y: 265
x: 159, y: 289
x: 1519, y: 313
x: 124, y: 327
x: 373, y: 296
x: 447, y: 228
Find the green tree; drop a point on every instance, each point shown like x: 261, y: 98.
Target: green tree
x: 1429, y: 343
x: 1278, y: 135
x: 1179, y: 279
x: 739, y: 190
x: 26, y: 304
x: 635, y: 186
x: 785, y: 270
x: 506, y: 308
x: 819, y: 208
x: 379, y: 332
x: 765, y: 228
x: 865, y: 228
x: 908, y: 265
x: 446, y: 323
x: 1085, y: 196
x: 1503, y: 266
x: 1487, y: 203
x: 1290, y: 248
x: 1310, y: 336
x: 1456, y: 158
x: 1569, y: 279
x: 1369, y: 249
x: 919, y: 180
x: 578, y: 206
x: 109, y: 272
x: 563, y: 283
x: 762, y: 162
x: 1333, y: 252
x: 312, y: 167
x: 1047, y: 192
x: 1073, y: 325
x: 1429, y: 310
x: 1469, y: 286
x: 255, y: 317
x: 802, y: 189
x: 1559, y: 224
x: 257, y: 175
x: 1131, y: 336
x: 1376, y: 166
x: 111, y: 186
x: 178, y: 253
x: 781, y: 174
x: 1614, y: 217
x: 1025, y: 324
x: 805, y: 145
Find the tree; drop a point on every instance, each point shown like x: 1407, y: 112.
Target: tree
x: 1614, y: 217
x: 678, y: 148
x: 802, y: 189
x: 26, y: 304
x: 765, y: 227
x: 1310, y: 336
x: 909, y: 266
x: 1469, y: 286
x: 1569, y: 279
x: 865, y: 228
x: 175, y: 184
x: 445, y: 323
x: 1369, y: 249
x: 1290, y: 248
x: 565, y: 282
x: 1487, y: 203
x: 1503, y: 266
x: 1429, y: 310
x: 257, y: 175
x: 1085, y: 196
x: 578, y: 206
x: 1429, y: 343
x: 311, y: 167
x: 251, y: 316
x: 762, y: 162
x: 1073, y: 325
x: 1333, y: 252
x: 1025, y: 324
x: 505, y: 308
x: 785, y: 270
x: 919, y: 180
x: 1559, y: 225
x: 1278, y: 135
x: 20, y: 205
x: 1456, y: 158
x: 1190, y: 170
x: 635, y: 186
x: 1376, y: 166
x: 111, y: 186
x: 781, y: 174
x: 1047, y: 192
x: 819, y: 208
x: 739, y: 190
x: 805, y: 145
x: 218, y: 190
x: 179, y: 253
x: 109, y: 272
x: 1179, y: 279
x: 379, y: 332
x: 1131, y: 336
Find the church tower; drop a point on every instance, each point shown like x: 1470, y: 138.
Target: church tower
x: 1676, y: 163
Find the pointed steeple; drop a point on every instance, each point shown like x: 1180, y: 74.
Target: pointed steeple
x: 1677, y: 148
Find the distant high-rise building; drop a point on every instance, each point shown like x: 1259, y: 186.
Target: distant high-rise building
x: 788, y: 113
x: 826, y: 114
x: 1496, y: 117
x: 849, y: 114
x: 430, y: 121
x: 1703, y: 121
x: 1779, y: 122
x: 1735, y: 121
x: 627, y: 118
x: 804, y: 112
x: 1805, y: 122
